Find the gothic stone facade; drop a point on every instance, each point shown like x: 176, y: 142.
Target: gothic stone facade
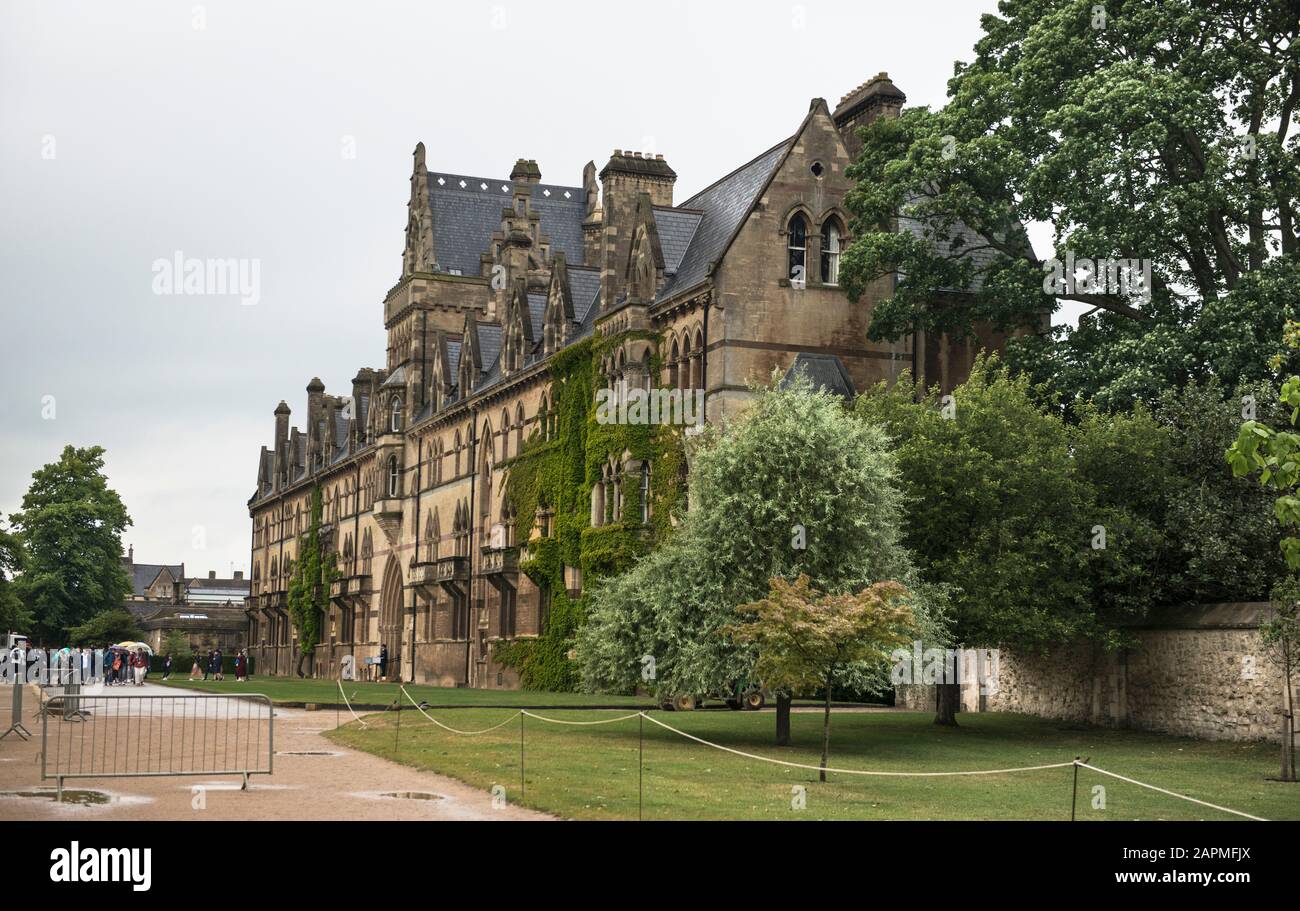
x: 497, y: 276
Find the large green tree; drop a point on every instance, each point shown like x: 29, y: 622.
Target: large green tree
x: 105, y: 628
x: 1159, y: 131
x: 13, y: 613
x: 999, y: 510
x: 793, y: 485
x: 71, y: 525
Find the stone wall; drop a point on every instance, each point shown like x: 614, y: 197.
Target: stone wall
x: 1196, y: 671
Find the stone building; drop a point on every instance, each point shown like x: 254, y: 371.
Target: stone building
x: 209, y: 611
x: 498, y: 275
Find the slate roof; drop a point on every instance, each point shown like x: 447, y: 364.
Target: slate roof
x: 724, y: 206
x: 144, y: 574
x: 826, y: 372
x: 537, y: 311
x: 981, y: 258
x: 465, y: 217
x: 676, y: 228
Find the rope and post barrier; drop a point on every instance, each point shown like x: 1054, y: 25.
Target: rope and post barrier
x: 1075, y: 764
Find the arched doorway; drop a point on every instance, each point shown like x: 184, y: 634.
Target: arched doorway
x: 390, y: 617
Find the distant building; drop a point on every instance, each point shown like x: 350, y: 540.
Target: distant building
x: 209, y: 611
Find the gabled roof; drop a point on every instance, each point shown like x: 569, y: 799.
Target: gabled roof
x: 724, y: 206
x: 145, y: 574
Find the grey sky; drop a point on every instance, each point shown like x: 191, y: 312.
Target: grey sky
x: 129, y: 134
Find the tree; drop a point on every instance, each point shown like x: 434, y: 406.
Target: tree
x: 71, y: 525
x: 177, y: 644
x: 807, y: 640
x: 997, y: 511
x: 13, y: 613
x: 1159, y: 132
x: 1275, y: 454
x: 309, y: 588
x: 1281, y: 634
x: 115, y: 625
x: 792, y: 486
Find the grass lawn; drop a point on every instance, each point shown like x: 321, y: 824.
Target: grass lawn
x: 591, y: 772
x: 294, y: 689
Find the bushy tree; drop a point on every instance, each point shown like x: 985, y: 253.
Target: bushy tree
x: 1275, y: 455
x: 106, y: 628
x: 1160, y: 131
x: 806, y: 640
x: 13, y: 613
x: 793, y: 485
x: 71, y: 525
x: 999, y: 511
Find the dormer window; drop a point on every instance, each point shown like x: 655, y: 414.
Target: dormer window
x: 395, y: 415
x: 797, y: 245
x: 831, y: 253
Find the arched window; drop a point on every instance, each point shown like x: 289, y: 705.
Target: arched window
x: 645, y: 493
x: 697, y: 362
x: 831, y: 252
x: 797, y: 244
x: 543, y: 419
x: 394, y: 478
x: 519, y: 428
x: 684, y: 372
x: 674, y: 366
x: 505, y: 435
x: 395, y: 415
x: 456, y: 464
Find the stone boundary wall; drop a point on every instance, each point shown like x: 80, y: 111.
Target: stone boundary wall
x: 1198, y: 671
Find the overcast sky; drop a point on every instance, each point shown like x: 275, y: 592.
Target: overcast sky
x: 131, y: 131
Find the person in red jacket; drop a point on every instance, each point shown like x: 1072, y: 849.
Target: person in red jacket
x: 138, y: 664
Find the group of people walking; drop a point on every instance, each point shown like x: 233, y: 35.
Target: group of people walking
x: 213, y: 664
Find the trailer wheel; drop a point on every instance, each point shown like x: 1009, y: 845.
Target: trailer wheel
x: 684, y: 702
x: 755, y: 701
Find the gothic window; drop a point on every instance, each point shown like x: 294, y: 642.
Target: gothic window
x: 684, y: 372
x: 797, y: 245
x: 395, y: 415
x: 645, y: 493
x: 674, y: 366
x: 505, y: 435
x: 394, y: 478
x: 598, y: 504
x: 697, y: 362
x: 831, y: 253
x: 456, y: 465
x: 430, y: 543
x: 519, y: 428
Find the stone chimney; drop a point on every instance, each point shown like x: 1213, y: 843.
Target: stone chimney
x: 315, y: 414
x: 877, y: 97
x: 623, y: 180
x: 281, y: 426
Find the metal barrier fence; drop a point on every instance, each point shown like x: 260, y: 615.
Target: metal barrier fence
x: 126, y: 736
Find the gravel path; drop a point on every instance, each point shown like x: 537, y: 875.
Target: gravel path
x: 339, y: 784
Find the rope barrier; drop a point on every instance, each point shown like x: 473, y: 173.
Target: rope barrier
x: 1078, y: 763
x: 583, y: 723
x: 445, y: 727
x: 1143, y: 784
x: 817, y: 768
x: 349, y: 705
